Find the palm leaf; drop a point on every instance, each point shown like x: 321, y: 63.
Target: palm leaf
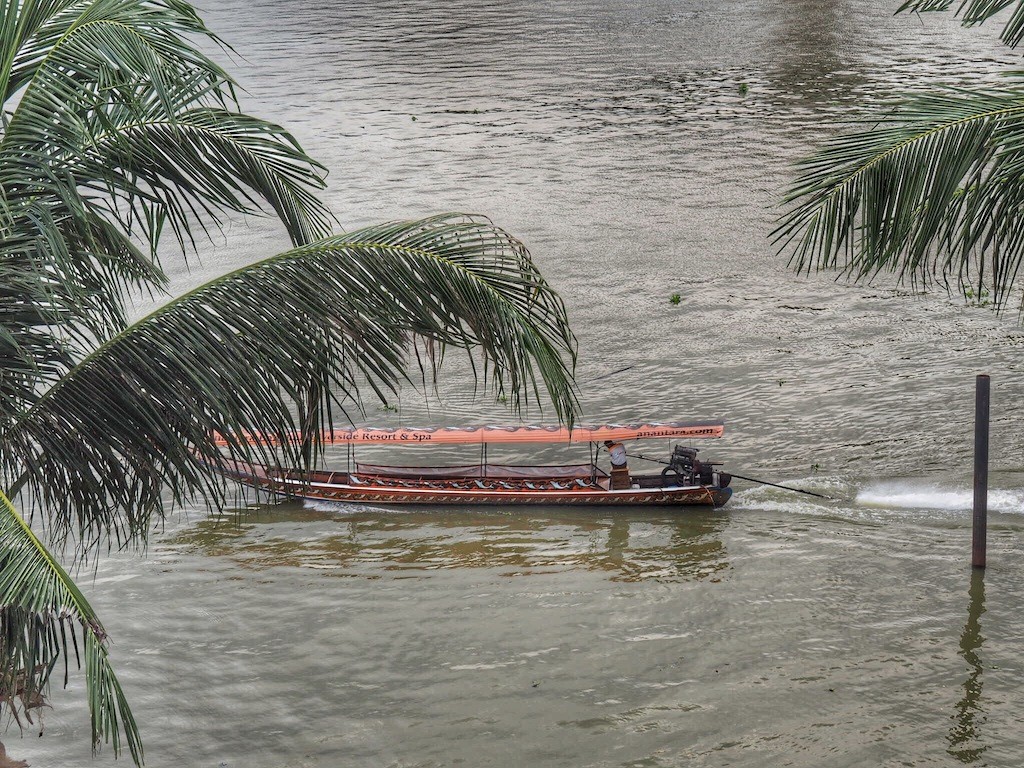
x: 153, y: 123
x: 242, y: 352
x: 121, y: 128
x: 20, y: 27
x: 210, y: 160
x: 974, y: 12
x: 42, y: 609
x: 934, y: 190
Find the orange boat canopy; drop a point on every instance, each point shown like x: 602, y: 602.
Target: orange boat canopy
x: 512, y: 434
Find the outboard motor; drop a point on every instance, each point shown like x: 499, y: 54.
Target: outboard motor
x: 684, y: 468
x: 683, y: 459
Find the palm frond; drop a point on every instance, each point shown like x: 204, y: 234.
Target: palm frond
x: 242, y: 352
x: 149, y: 39
x: 20, y: 27
x: 115, y: 89
x: 62, y: 287
x: 208, y: 160
x: 934, y: 190
x: 973, y: 12
x: 41, y: 612
x: 121, y: 128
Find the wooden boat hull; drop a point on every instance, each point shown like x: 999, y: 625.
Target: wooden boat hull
x: 326, y: 487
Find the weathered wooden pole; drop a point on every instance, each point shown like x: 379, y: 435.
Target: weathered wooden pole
x: 981, y: 409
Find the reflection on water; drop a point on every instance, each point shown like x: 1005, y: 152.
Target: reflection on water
x: 965, y: 737
x: 628, y: 547
x: 810, y: 61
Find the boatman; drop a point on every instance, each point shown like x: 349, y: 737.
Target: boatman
x: 620, y: 472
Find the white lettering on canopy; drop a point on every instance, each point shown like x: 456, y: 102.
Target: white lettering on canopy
x: 510, y: 434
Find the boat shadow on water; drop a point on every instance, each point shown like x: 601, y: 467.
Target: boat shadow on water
x: 349, y: 540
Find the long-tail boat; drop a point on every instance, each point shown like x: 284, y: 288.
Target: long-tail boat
x: 685, y: 480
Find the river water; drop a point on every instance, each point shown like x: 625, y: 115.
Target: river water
x: 616, y: 140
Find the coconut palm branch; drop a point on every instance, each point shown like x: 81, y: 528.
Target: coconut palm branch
x: 117, y: 128
x: 935, y: 189
x: 974, y: 12
x: 240, y: 353
x: 42, y: 613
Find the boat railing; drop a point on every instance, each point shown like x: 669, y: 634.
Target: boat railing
x: 483, y: 471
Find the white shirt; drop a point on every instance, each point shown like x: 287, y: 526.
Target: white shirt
x: 617, y: 451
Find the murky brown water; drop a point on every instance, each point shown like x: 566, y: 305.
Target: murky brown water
x: 612, y: 137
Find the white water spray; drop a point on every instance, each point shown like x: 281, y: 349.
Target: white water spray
x: 909, y: 495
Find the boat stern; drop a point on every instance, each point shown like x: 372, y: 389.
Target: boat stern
x: 719, y: 496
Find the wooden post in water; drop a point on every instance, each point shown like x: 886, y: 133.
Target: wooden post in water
x: 981, y: 410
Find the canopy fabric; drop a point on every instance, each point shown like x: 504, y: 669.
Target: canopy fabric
x: 511, y: 434
x: 499, y: 471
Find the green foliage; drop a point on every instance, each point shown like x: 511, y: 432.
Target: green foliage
x: 131, y: 419
x: 41, y: 609
x: 973, y: 12
x: 675, y: 298
x: 118, y: 130
x: 932, y: 191
x: 979, y: 298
